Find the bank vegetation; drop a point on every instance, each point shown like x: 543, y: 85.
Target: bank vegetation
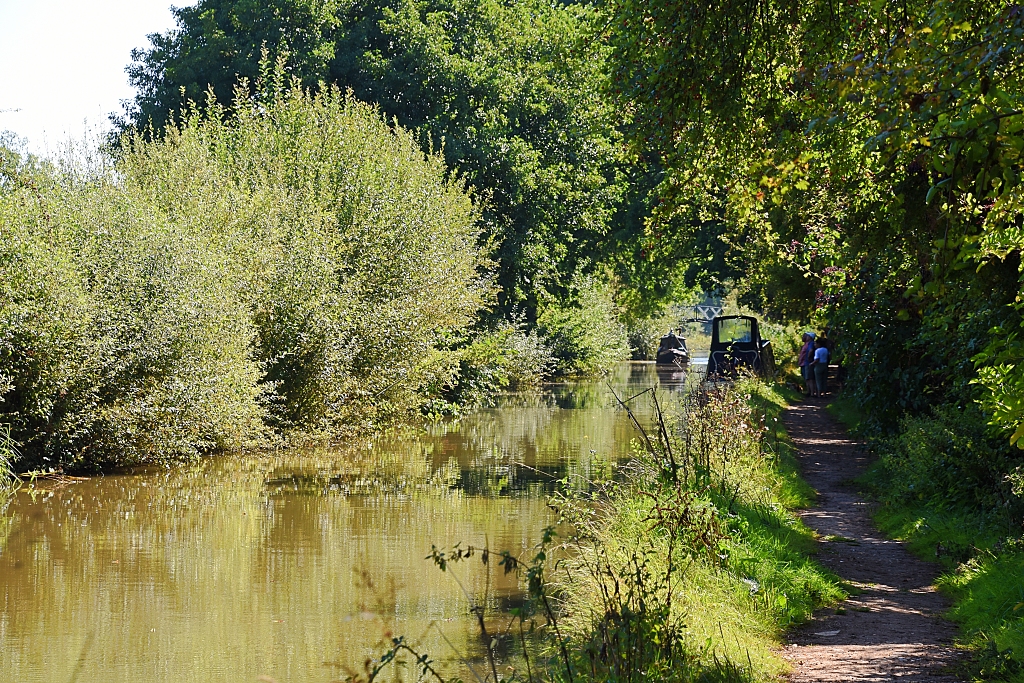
x: 687, y: 565
x: 295, y: 268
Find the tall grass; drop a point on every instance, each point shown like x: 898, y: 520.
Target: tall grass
x: 8, y: 455
x: 290, y: 270
x: 685, y: 568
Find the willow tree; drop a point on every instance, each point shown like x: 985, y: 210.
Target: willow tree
x: 291, y: 270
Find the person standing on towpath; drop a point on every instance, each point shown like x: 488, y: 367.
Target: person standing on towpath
x: 804, y: 362
x: 819, y: 367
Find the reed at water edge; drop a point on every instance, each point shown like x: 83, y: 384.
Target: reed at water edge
x: 8, y: 453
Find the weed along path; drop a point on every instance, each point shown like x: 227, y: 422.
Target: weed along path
x: 891, y: 628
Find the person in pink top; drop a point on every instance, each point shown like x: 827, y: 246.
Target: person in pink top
x: 804, y: 361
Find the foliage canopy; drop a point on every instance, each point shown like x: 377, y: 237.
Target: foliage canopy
x: 863, y: 163
x: 513, y: 94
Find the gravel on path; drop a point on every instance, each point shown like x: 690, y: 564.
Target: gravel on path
x: 892, y: 629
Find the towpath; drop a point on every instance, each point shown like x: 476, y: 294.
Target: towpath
x: 892, y: 629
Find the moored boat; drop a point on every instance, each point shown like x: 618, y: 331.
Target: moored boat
x: 736, y: 343
x: 672, y: 350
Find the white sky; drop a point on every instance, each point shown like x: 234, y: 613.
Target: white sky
x: 62, y: 63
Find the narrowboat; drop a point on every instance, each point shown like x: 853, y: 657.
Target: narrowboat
x: 736, y: 343
x: 672, y: 350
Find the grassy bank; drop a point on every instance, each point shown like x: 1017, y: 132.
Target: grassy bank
x: 942, y: 486
x: 700, y: 538
x: 688, y: 565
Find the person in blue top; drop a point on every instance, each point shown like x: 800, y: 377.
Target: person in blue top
x: 819, y: 366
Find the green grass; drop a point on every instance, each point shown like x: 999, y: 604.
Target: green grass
x: 989, y: 595
x: 735, y: 610
x: 946, y: 536
x: 847, y: 411
x: 776, y: 549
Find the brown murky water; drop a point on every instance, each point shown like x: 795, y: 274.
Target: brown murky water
x: 296, y: 566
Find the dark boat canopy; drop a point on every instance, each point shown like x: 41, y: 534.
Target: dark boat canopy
x: 736, y: 342
x: 672, y: 341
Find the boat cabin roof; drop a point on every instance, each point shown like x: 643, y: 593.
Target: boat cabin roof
x: 735, y: 329
x: 673, y: 341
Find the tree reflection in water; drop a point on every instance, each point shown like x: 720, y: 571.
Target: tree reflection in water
x: 294, y: 564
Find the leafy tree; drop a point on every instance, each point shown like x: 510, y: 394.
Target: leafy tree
x: 217, y: 42
x: 514, y: 94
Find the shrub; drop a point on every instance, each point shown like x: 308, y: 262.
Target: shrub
x: 500, y: 359
x: 949, y: 460
x: 366, y: 252
x: 123, y: 338
x: 584, y: 333
x: 292, y: 267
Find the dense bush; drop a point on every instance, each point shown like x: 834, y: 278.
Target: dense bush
x: 503, y: 358
x: 292, y: 267
x: 584, y: 333
x: 950, y: 459
x: 122, y: 335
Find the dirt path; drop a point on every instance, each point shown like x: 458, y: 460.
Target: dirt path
x: 892, y: 630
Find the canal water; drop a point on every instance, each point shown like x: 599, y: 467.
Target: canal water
x: 299, y: 565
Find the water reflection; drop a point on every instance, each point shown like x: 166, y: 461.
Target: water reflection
x: 293, y: 565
